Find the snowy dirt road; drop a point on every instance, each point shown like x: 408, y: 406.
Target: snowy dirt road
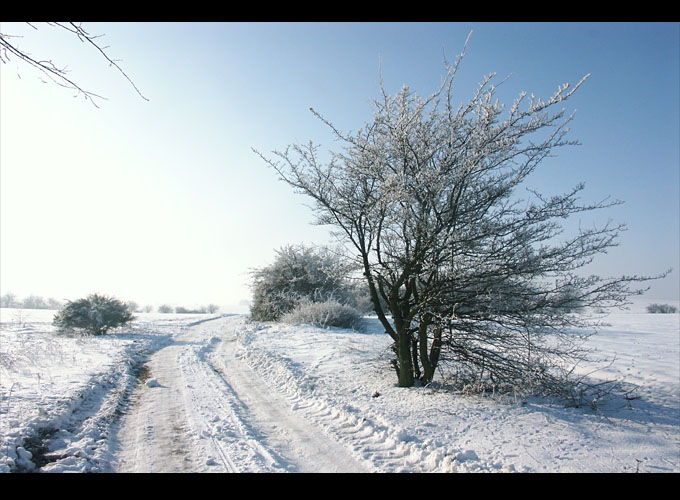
x: 200, y: 408
x: 179, y: 393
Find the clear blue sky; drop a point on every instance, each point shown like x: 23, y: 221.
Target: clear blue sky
x: 164, y: 201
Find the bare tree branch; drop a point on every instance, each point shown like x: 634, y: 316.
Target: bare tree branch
x: 56, y: 74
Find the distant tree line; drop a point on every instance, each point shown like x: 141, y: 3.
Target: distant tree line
x: 209, y: 309
x: 10, y: 300
x: 30, y: 302
x: 661, y: 309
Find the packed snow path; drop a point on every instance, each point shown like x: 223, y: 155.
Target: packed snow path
x: 200, y: 408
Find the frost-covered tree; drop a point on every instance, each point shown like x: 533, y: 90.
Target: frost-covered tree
x: 34, y: 302
x: 9, y: 300
x: 461, y: 267
x: 299, y: 273
x: 96, y: 314
x: 53, y: 303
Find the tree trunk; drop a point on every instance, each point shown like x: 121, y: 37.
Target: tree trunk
x: 403, y: 344
x: 428, y: 369
x: 406, y: 377
x: 433, y: 357
x: 429, y: 357
x: 415, y: 357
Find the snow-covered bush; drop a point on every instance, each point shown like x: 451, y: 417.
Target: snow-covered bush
x: 661, y: 308
x: 299, y: 273
x: 96, y: 314
x: 324, y: 314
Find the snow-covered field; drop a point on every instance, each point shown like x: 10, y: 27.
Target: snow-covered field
x: 199, y: 393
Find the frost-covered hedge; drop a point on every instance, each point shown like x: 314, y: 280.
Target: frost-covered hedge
x: 324, y: 314
x: 96, y: 314
x: 299, y: 275
x: 661, y: 308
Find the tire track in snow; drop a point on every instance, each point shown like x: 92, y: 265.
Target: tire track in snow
x: 207, y: 411
x: 218, y: 416
x: 371, y: 439
x: 182, y: 419
x: 153, y: 434
x: 268, y: 419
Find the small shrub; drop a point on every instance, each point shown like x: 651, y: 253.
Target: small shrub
x: 96, y: 314
x: 661, y: 309
x: 324, y: 314
x: 299, y: 273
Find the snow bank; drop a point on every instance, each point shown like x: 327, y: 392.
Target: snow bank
x: 341, y: 381
x: 71, y: 389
